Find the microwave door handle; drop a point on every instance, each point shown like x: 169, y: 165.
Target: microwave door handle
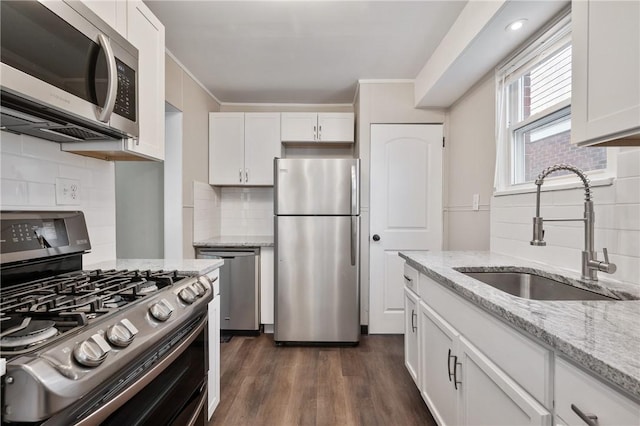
x: 104, y: 112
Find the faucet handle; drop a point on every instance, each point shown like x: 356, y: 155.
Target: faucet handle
x: 607, y: 266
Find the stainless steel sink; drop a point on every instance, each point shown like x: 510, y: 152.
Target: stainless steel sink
x: 530, y: 286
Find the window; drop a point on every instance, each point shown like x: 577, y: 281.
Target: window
x: 534, y: 112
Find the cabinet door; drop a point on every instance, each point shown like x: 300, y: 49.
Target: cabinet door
x: 605, y: 70
x: 490, y: 397
x: 267, y: 299
x: 213, y: 377
x: 113, y: 12
x: 438, y: 346
x: 411, y: 354
x: 261, y: 145
x: 146, y: 33
x: 335, y: 127
x: 226, y: 148
x: 299, y: 126
x: 590, y: 396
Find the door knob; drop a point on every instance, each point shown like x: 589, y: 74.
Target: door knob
x: 376, y: 237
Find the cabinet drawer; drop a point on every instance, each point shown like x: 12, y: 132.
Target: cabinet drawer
x: 411, y: 278
x: 591, y: 396
x: 525, y: 361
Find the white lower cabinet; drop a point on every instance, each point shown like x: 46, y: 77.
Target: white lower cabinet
x: 267, y: 298
x: 462, y: 386
x: 579, y: 392
x: 411, y: 350
x: 488, y: 396
x: 213, y: 377
x: 438, y: 346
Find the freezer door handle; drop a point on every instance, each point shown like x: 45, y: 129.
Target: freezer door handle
x: 354, y: 239
x: 354, y: 190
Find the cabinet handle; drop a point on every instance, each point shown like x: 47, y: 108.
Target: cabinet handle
x: 246, y: 175
x: 455, y: 372
x: 590, y: 419
x: 407, y: 278
x: 240, y: 175
x: 319, y: 133
x: 413, y: 326
x: 449, y: 364
x: 315, y: 133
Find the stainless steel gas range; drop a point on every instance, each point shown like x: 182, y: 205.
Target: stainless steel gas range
x: 100, y: 346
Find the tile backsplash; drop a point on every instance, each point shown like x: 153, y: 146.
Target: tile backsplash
x: 28, y: 171
x: 207, y: 200
x: 247, y: 211
x: 617, y: 223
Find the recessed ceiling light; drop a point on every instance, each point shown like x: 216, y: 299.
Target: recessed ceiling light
x: 516, y: 25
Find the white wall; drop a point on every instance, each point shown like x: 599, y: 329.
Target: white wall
x: 29, y: 168
x: 469, y: 159
x: 617, y: 223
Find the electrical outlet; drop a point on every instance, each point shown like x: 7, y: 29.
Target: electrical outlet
x: 67, y: 192
x: 476, y: 202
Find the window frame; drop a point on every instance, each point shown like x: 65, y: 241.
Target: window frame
x: 548, y: 41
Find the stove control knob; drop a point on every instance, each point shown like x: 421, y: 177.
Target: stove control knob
x: 199, y: 289
x: 205, y: 282
x: 161, y: 310
x: 188, y: 295
x: 92, y: 351
x: 121, y: 334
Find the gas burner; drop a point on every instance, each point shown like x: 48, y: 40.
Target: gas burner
x: 147, y: 287
x: 27, y: 333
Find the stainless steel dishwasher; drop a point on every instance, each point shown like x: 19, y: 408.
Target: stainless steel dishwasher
x: 239, y: 297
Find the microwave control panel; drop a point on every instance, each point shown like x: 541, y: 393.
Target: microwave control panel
x: 126, y: 98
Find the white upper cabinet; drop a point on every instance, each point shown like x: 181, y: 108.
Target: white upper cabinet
x: 113, y: 12
x: 605, y: 105
x: 318, y: 127
x: 242, y: 147
x: 134, y: 21
x: 146, y: 33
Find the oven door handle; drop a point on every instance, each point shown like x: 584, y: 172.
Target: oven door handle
x: 110, y: 407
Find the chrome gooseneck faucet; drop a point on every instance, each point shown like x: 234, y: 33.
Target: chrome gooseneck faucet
x: 590, y: 263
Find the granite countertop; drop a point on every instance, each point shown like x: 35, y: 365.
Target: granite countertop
x: 186, y: 266
x: 601, y: 336
x: 237, y: 241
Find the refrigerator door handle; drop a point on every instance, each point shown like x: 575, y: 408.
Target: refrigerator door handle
x: 354, y: 239
x: 354, y: 191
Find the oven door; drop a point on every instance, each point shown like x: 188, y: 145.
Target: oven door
x: 172, y: 391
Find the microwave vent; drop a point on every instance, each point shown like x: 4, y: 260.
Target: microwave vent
x: 75, y: 133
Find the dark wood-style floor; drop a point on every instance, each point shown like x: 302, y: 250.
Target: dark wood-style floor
x: 262, y: 384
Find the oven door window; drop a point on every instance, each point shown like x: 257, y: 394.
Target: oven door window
x: 172, y: 395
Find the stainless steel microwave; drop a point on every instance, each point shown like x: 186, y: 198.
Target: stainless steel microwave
x: 66, y: 75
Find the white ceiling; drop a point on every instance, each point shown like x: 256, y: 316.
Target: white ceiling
x: 315, y: 51
x: 301, y: 51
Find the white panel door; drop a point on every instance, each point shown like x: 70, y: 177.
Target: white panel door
x: 406, y: 211
x: 226, y: 148
x: 261, y: 146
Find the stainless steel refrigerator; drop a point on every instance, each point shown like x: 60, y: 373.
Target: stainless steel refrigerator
x: 317, y: 250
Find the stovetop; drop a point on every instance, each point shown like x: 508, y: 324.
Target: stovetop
x: 38, y: 312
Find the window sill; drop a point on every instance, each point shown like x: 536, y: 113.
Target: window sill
x: 530, y: 188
